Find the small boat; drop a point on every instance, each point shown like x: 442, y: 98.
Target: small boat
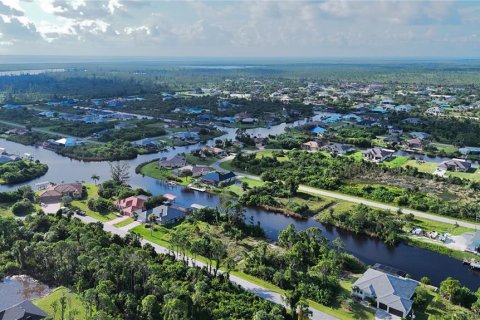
x: 171, y: 183
x: 473, y: 263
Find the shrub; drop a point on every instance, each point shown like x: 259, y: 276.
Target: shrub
x: 22, y: 207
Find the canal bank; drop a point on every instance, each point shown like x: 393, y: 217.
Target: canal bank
x: 415, y: 261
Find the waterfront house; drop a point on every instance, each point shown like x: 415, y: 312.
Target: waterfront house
x: 414, y: 144
x: 24, y: 310
x: 311, y: 146
x: 66, y: 142
x: 339, y: 149
x: 55, y: 193
x: 319, y: 131
x: 131, y: 205
x: 165, y: 214
x: 458, y: 165
x: 377, y: 154
x: 217, y: 178
x: 17, y: 131
x: 391, y: 293
x: 194, y: 171
x: 176, y: 161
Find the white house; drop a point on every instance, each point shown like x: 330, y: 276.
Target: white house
x: 392, y: 293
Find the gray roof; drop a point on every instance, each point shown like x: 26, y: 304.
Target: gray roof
x: 396, y: 292
x: 23, y: 310
x: 164, y: 213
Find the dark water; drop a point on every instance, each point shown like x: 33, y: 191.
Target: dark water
x: 416, y: 262
x: 15, y: 289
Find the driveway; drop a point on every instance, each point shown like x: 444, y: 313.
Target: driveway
x: 51, y: 207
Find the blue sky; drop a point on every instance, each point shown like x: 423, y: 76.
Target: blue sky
x: 331, y: 28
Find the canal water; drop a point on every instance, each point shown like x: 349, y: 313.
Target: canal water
x: 15, y: 289
x: 416, y: 262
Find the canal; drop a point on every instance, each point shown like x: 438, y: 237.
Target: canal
x: 416, y: 262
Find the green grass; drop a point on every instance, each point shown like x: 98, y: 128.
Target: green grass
x: 396, y: 162
x: 428, y: 167
x: 92, y: 191
x: 447, y: 148
x: 5, y: 210
x: 227, y: 165
x: 153, y: 170
x: 124, y: 223
x: 441, y: 227
x: 269, y: 154
x: 73, y: 303
x: 160, y: 235
x: 191, y: 159
x: 473, y: 176
x: 438, y: 248
x: 357, y: 155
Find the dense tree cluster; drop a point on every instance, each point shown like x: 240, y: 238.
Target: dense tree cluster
x: 110, y: 151
x: 305, y: 264
x: 21, y: 171
x: 118, y: 278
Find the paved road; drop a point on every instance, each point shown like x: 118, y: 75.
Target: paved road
x: 369, y: 203
x: 248, y: 286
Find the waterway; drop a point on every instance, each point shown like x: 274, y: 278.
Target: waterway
x: 416, y: 262
x: 15, y: 289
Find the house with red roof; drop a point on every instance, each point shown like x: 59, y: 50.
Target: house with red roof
x: 131, y: 205
x: 55, y: 193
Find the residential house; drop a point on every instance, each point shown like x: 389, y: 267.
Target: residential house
x: 414, y: 144
x: 319, y: 131
x: 188, y: 136
x: 17, y: 131
x: 131, y: 205
x: 165, y: 214
x: 469, y: 150
x: 67, y: 142
x: 412, y: 120
x: 311, y: 146
x: 55, y: 193
x: 5, y: 158
x: 24, y: 310
x: 196, y: 171
x: 435, y: 111
x: 249, y: 120
x: 377, y: 154
x: 217, y: 152
x: 458, y: 165
x: 10, y: 106
x: 419, y: 135
x: 176, y: 161
x: 339, y: 149
x: 217, y: 178
x: 392, y: 293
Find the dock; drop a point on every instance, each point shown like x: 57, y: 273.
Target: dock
x: 200, y: 189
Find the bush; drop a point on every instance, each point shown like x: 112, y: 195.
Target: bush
x: 22, y: 207
x: 100, y: 205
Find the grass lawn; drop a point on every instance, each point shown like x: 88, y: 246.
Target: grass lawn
x: 430, y: 225
x: 74, y: 304
x: 357, y: 155
x: 124, y: 222
x: 92, y: 191
x: 269, y: 154
x: 191, y: 159
x: 5, y: 210
x: 160, y: 236
x: 438, y: 308
x: 237, y: 188
x: 473, y: 176
x: 447, y: 148
x: 153, y: 170
x: 227, y: 165
x: 428, y: 167
x: 396, y: 162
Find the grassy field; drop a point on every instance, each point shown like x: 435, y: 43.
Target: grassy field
x: 236, y: 188
x: 74, y: 304
x: 396, y: 162
x: 5, y: 210
x: 160, y: 235
x: 269, y: 154
x: 153, y: 170
x: 92, y: 191
x: 440, y: 227
x: 447, y: 148
x: 124, y: 223
x: 428, y: 167
x: 227, y: 165
x: 191, y: 159
x: 473, y: 176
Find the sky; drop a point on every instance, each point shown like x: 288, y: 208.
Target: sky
x: 330, y: 28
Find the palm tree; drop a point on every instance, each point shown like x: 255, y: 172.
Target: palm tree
x: 95, y: 178
x: 152, y: 219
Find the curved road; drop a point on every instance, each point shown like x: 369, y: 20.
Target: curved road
x: 247, y: 285
x: 369, y: 203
